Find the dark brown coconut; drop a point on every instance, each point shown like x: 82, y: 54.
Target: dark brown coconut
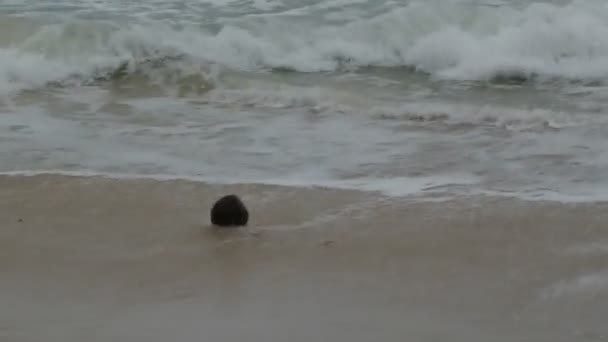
x: 229, y: 211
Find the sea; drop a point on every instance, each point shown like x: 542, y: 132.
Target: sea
x: 425, y: 98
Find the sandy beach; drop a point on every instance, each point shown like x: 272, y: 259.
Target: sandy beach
x: 96, y: 259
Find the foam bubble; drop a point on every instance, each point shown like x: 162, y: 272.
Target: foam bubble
x: 594, y: 248
x: 594, y: 283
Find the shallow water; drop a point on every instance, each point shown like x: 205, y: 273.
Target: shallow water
x: 404, y: 97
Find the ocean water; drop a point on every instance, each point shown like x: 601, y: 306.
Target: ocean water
x: 406, y: 97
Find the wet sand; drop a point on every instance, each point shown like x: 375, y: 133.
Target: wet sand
x: 94, y: 259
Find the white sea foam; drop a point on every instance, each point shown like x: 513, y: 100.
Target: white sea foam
x: 447, y: 40
x: 421, y: 188
x: 594, y: 248
x: 589, y: 284
x: 413, y: 149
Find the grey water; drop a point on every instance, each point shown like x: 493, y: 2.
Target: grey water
x: 402, y: 97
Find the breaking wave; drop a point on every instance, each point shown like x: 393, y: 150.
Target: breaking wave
x: 444, y: 40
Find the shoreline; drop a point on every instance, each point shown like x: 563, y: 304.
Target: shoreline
x: 420, y: 195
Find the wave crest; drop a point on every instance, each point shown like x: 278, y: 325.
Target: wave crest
x: 502, y: 44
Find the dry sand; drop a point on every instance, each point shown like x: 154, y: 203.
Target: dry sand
x: 94, y: 259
